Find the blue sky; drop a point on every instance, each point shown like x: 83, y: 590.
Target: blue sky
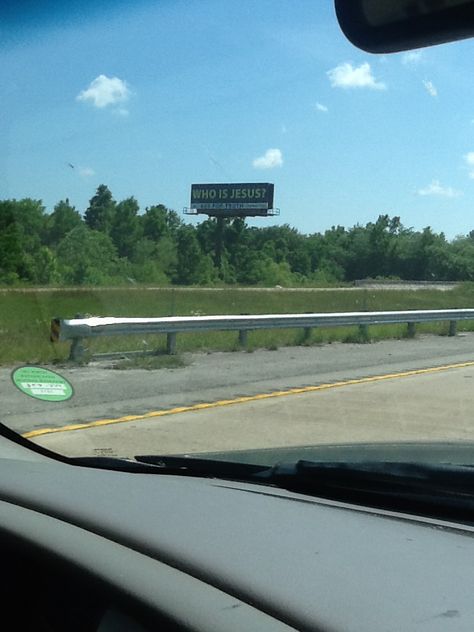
x: 152, y: 98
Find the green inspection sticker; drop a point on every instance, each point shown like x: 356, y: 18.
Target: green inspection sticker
x: 42, y: 384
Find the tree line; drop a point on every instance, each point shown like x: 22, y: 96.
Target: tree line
x: 115, y: 243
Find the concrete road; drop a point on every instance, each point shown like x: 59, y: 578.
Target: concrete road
x: 430, y: 405
x: 102, y: 392
x: 241, y: 400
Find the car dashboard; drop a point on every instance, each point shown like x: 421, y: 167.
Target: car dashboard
x: 89, y: 549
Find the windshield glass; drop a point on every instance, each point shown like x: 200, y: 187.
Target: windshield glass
x: 224, y: 228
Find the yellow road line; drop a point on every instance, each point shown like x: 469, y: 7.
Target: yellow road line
x: 243, y: 400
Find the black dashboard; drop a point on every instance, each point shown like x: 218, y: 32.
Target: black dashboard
x: 88, y: 549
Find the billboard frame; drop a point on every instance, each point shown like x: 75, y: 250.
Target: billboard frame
x: 251, y: 199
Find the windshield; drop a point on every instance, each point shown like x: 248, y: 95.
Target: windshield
x: 223, y: 228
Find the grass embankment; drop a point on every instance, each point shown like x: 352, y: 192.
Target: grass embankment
x: 25, y: 316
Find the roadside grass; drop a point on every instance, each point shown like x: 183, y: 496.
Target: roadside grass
x: 25, y: 317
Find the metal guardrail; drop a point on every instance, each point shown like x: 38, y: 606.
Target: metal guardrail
x: 402, y: 283
x: 77, y: 329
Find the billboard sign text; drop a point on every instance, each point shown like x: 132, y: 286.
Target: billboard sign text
x: 232, y: 199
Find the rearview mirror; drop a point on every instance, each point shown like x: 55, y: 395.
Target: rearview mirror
x: 389, y: 26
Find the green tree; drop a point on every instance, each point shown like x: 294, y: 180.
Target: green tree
x: 159, y: 221
x: 11, y: 252
x: 86, y: 256
x: 382, y: 245
x: 456, y: 260
x: 21, y: 227
x: 46, y: 267
x: 100, y: 212
x: 206, y: 233
x: 62, y: 220
x: 334, y: 253
x: 125, y: 229
x: 193, y: 266
x: 166, y: 255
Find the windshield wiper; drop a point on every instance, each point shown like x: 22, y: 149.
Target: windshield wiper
x: 198, y: 466
x: 178, y: 465
x: 434, y: 490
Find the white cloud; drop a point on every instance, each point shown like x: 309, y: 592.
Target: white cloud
x: 271, y: 158
x: 469, y: 159
x: 121, y: 112
x: 104, y: 91
x: 321, y: 107
x: 436, y: 189
x: 86, y: 172
x: 348, y: 76
x: 412, y: 57
x: 430, y: 88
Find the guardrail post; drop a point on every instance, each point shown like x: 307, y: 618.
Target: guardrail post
x: 364, y: 332
x: 171, y: 343
x: 453, y: 325
x: 243, y: 334
x: 77, y: 351
x: 307, y: 334
x: 411, y: 330
x: 243, y: 337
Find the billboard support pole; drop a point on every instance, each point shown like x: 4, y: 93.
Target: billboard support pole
x: 219, y: 243
x: 229, y: 201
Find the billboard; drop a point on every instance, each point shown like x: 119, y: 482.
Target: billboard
x: 232, y: 199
